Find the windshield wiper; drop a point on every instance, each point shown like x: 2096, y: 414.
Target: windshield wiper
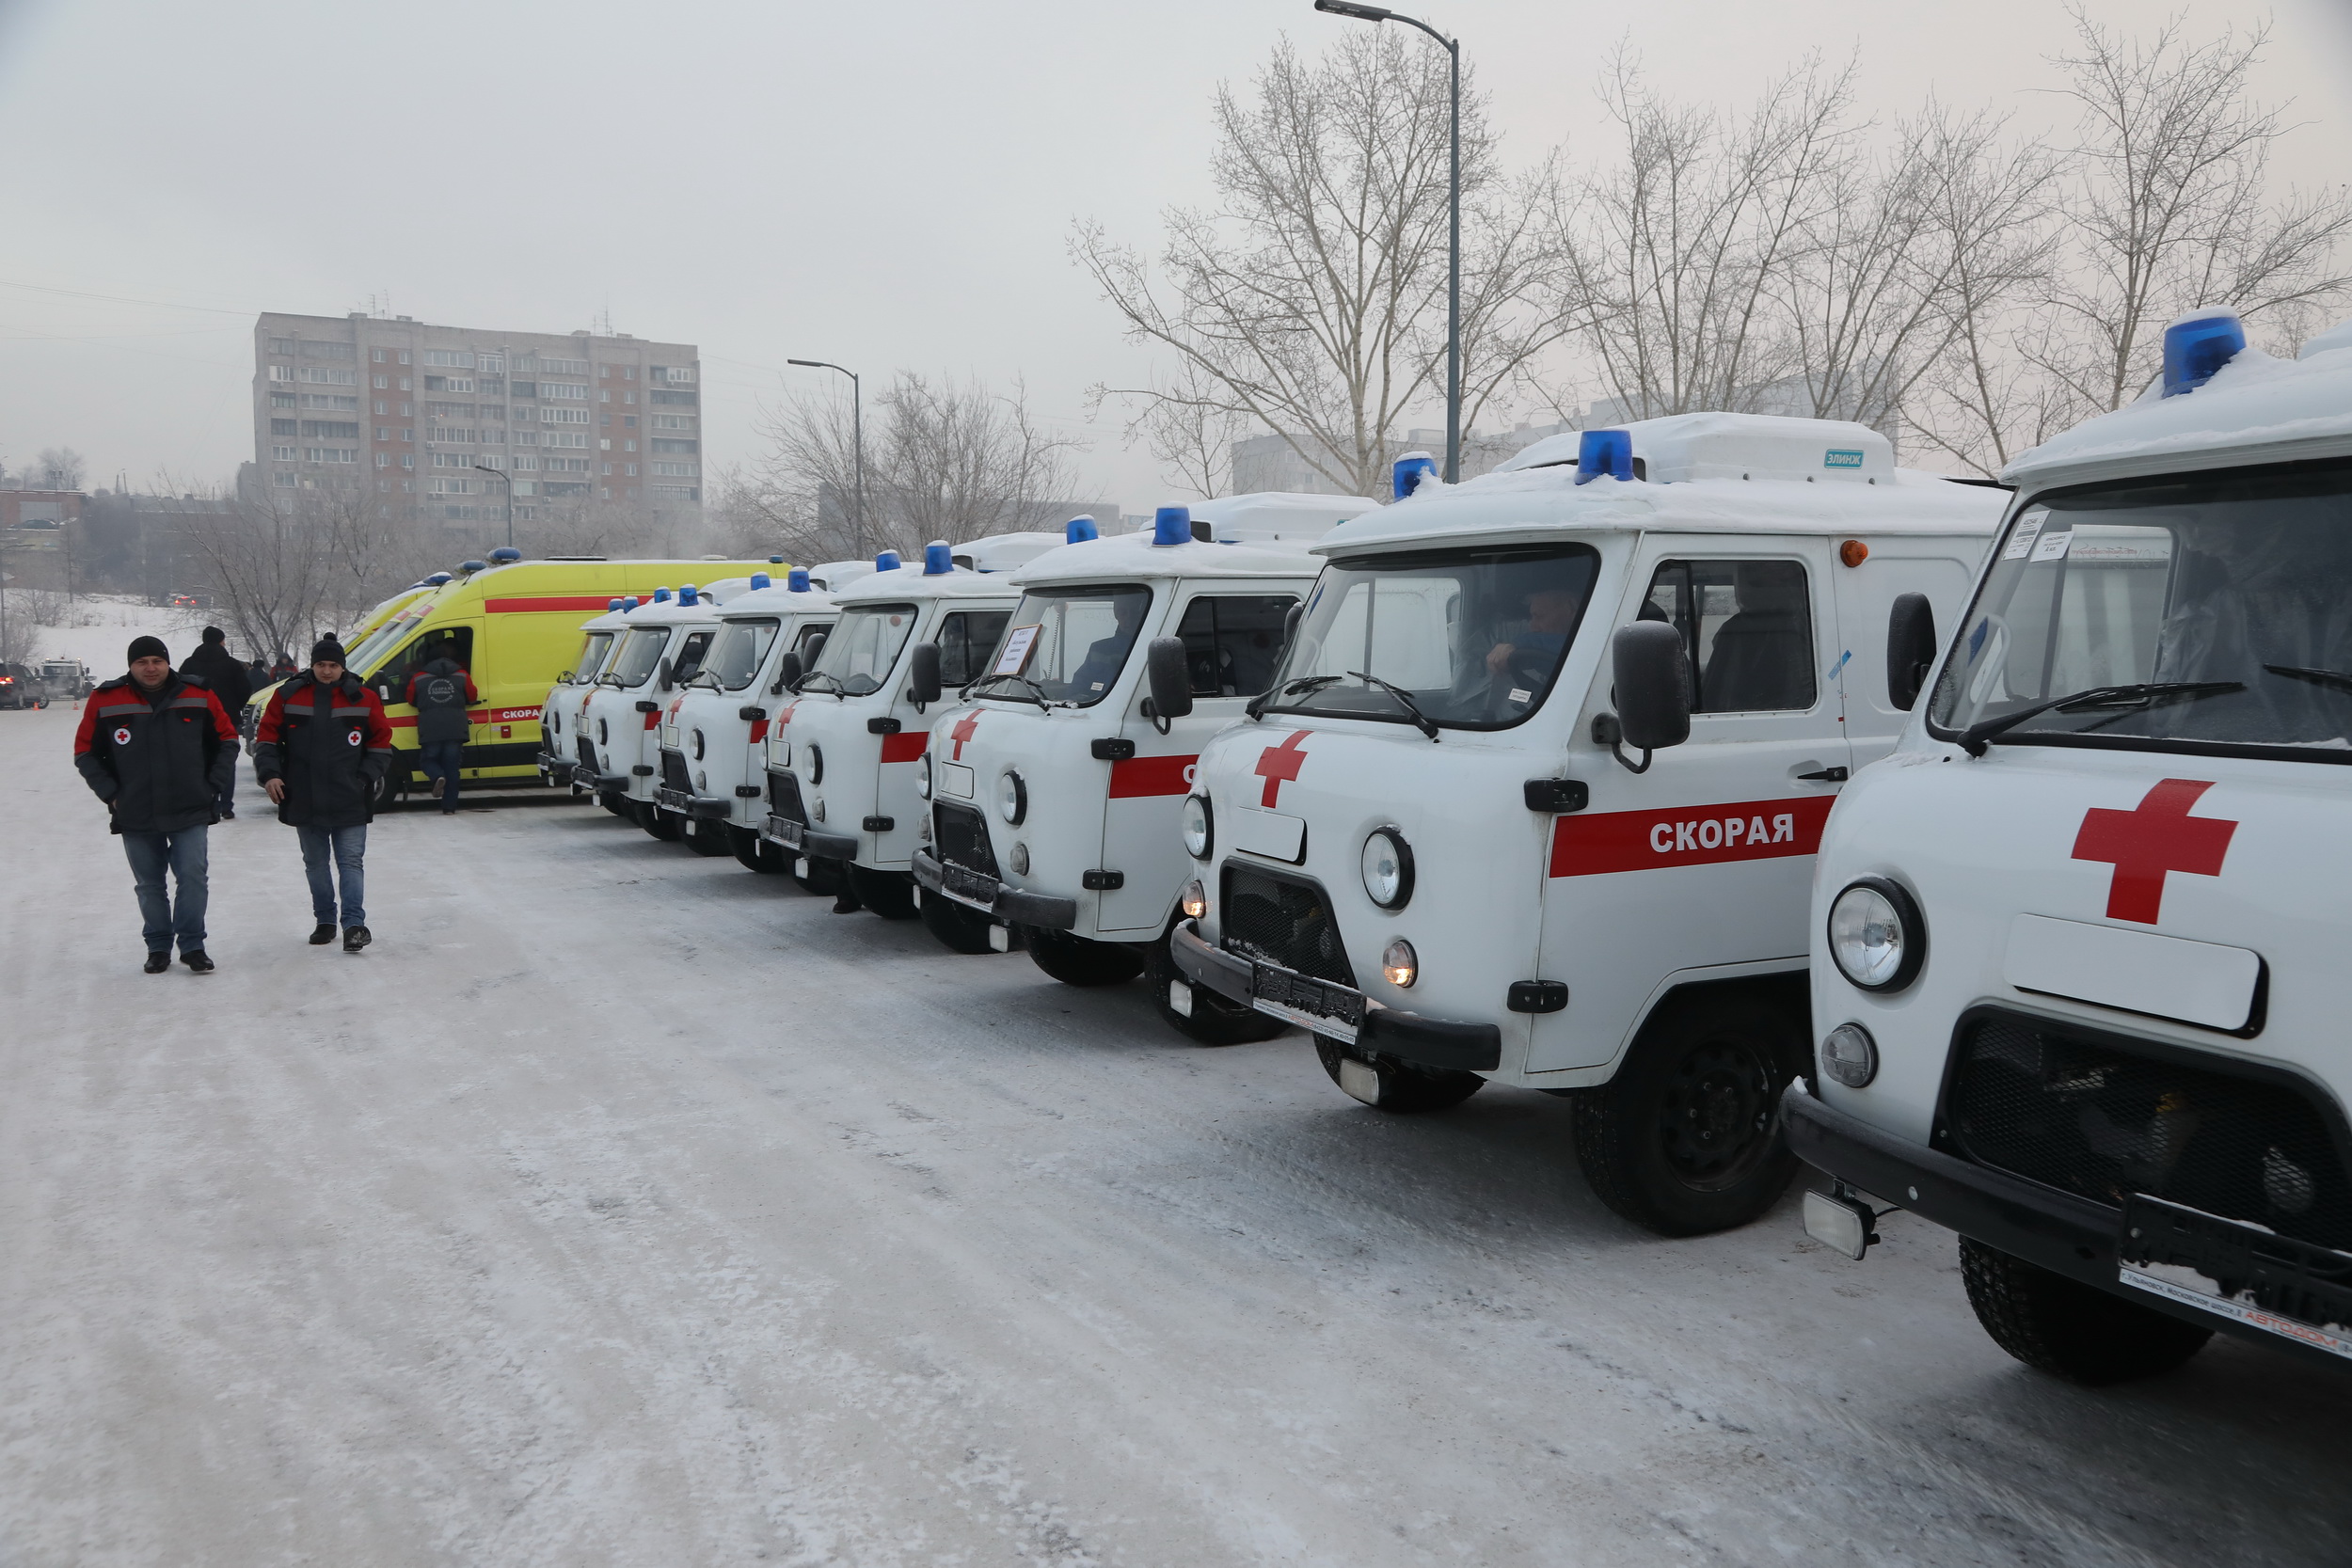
x: 2336, y: 679
x: 1973, y: 739
x: 1422, y: 722
x: 838, y: 688
x: 1035, y: 695
x: 610, y: 678
x: 1288, y: 688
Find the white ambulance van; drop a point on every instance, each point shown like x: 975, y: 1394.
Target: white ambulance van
x: 1054, y: 787
x: 1535, y: 795
x: 560, y: 731
x: 2080, y: 979
x: 841, y: 753
x: 662, y: 642
x: 714, y: 732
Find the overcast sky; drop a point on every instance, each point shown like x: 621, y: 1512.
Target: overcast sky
x: 882, y: 184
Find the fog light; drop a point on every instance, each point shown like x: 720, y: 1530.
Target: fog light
x: 817, y: 809
x: 923, y: 776
x: 1850, y: 1056
x: 1020, y: 860
x: 1399, y: 964
x: 1196, y: 900
x: 1842, y: 1224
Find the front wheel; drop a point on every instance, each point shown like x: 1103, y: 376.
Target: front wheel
x: 1388, y: 1084
x: 2068, y: 1329
x: 1686, y: 1138
x: 889, y: 894
x: 1211, y: 1020
x: 1081, y: 962
x: 961, y: 929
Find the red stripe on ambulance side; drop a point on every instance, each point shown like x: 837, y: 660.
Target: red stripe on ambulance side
x: 1135, y: 776
x: 531, y: 606
x: 1687, y: 835
x: 905, y: 746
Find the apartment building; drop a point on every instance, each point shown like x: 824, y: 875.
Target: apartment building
x: 448, y: 417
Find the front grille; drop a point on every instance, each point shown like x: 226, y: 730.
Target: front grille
x: 674, y: 772
x: 961, y: 838
x: 1284, y: 921
x: 587, y: 755
x: 2100, y: 1117
x: 783, y: 798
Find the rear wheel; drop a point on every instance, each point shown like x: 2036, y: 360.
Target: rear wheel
x: 2068, y: 1329
x: 1388, y: 1084
x: 1213, y: 1019
x: 960, y: 929
x: 1686, y: 1138
x: 705, y: 837
x: 889, y: 894
x: 1080, y: 962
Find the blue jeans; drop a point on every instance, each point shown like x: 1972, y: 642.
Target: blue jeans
x: 440, y: 760
x: 183, y: 854
x: 349, y: 848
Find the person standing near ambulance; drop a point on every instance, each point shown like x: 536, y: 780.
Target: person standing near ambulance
x: 440, y: 692
x: 156, y: 748
x: 225, y: 673
x: 322, y: 750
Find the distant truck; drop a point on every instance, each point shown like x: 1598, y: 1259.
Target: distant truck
x: 65, y: 679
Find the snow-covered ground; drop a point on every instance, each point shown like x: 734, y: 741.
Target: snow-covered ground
x: 98, y: 631
x: 624, y: 1207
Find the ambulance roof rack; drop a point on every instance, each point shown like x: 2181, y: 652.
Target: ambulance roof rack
x: 1683, y: 446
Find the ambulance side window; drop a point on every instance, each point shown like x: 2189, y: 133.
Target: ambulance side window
x: 806, y: 636
x: 690, y: 656
x: 392, y: 682
x: 965, y: 639
x: 1231, y: 641
x: 1748, y: 629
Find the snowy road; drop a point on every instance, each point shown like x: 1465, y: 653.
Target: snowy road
x: 624, y: 1207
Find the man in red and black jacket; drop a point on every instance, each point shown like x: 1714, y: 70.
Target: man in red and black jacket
x: 321, y: 752
x: 158, y: 749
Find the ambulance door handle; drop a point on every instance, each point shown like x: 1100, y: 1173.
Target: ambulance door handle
x: 1825, y: 775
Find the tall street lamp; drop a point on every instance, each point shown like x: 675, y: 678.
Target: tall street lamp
x: 1453, y: 245
x: 857, y: 430
x: 501, y: 474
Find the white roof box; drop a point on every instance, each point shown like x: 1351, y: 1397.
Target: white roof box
x: 1002, y: 552
x: 1684, y: 446
x: 1264, y: 515
x: 834, y: 575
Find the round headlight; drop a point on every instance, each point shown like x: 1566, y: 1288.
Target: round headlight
x: 1399, y: 964
x: 1197, y: 834
x: 1020, y: 860
x: 1387, y: 863
x: 1013, y: 797
x: 1194, y: 900
x: 1850, y: 1056
x: 1876, y: 936
x: 816, y: 766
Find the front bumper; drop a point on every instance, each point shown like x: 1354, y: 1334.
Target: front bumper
x: 684, y: 804
x: 1334, y: 1010
x: 802, y: 839
x: 991, y: 896
x: 588, y: 778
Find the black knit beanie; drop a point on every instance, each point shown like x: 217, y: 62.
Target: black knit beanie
x: 214, y: 634
x: 327, y: 649
x: 149, y: 647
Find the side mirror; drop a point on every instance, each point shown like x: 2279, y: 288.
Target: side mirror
x: 922, y: 675
x: 1653, y: 675
x: 1910, y: 648
x: 1165, y: 668
x: 666, y: 683
x: 789, y: 672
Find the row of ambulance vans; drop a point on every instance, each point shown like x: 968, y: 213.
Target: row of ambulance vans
x: 1536, y: 779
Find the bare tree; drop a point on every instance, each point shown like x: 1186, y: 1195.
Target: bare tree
x: 270, y: 574
x: 1188, y: 424
x: 58, y: 468
x: 1311, y: 300
x: 2169, y: 210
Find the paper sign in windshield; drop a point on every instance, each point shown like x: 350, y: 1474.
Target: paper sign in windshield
x: 2053, y: 546
x: 2028, y: 528
x: 1017, y: 645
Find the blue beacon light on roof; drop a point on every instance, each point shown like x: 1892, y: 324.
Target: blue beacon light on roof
x: 661, y: 595
x: 761, y: 580
x: 1171, y: 525
x: 2197, y: 345
x: 887, y: 561
x: 688, y: 596
x: 796, y: 580
x: 1079, y: 530
x: 1604, y: 451
x: 938, y: 559
x: 1411, y: 471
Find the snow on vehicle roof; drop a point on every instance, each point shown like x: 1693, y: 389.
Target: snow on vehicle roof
x: 1751, y: 446
x: 669, y: 613
x: 775, y: 600
x: 1129, y: 556
x: 1006, y: 552
x: 910, y: 581
x: 835, y: 576
x: 1269, y: 516
x: 2255, y: 409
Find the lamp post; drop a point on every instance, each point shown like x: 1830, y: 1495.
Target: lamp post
x: 501, y: 474
x: 1454, y: 243
x: 857, y: 430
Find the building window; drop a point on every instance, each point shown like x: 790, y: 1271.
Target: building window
x: 604, y: 446
x: 527, y: 464
x: 404, y: 360
x: 379, y: 382
x: 490, y: 362
x: 376, y: 355
x: 336, y: 401
x: 565, y: 367
x: 674, y: 421
x: 408, y: 433
x: 282, y: 399
x: 605, y: 396
x: 632, y: 468
x: 281, y: 345
x: 332, y: 429
x: 407, y: 486
x: 284, y: 427
x: 318, y: 350
x: 629, y: 446
x: 404, y: 385
x: 281, y: 373
x: 408, y: 460
x: 383, y: 459
x: 283, y: 479
x: 608, y: 470
x: 408, y: 410
x: 671, y: 444
x: 526, y: 438
x: 677, y: 492
x: 628, y: 372
x: 331, y: 455
x: 562, y: 416
x: 677, y: 470
x: 562, y: 391
x: 682, y: 400
x: 449, y: 384
x: 458, y: 357
x: 324, y: 376
x: 380, y: 409
x: 282, y: 454
x: 562, y: 438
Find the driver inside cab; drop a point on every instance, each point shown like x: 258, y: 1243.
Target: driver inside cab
x: 1550, y: 617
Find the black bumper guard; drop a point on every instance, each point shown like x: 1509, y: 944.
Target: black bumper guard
x: 802, y: 839
x: 686, y: 803
x: 991, y: 896
x: 1335, y: 1010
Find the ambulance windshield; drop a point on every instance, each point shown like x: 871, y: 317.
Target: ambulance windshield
x: 1068, y: 644
x: 736, y: 657
x: 860, y: 651
x: 590, y: 661
x: 2204, y: 612
x: 1471, y: 639
x: 641, y: 654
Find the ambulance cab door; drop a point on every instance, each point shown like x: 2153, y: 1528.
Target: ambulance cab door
x: 1706, y: 858
x: 1942, y: 569
x: 391, y: 679
x: 1231, y: 638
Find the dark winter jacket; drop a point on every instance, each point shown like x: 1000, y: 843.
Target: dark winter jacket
x: 224, y: 672
x: 441, y: 692
x: 330, y: 744
x: 161, y: 759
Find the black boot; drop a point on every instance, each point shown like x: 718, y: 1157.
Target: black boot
x: 198, y: 963
x: 158, y: 962
x: 323, y: 933
x: 355, y: 938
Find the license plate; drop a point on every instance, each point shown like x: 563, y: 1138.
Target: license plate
x: 1316, y: 1005
x: 2257, y: 1277
x: 967, y: 887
